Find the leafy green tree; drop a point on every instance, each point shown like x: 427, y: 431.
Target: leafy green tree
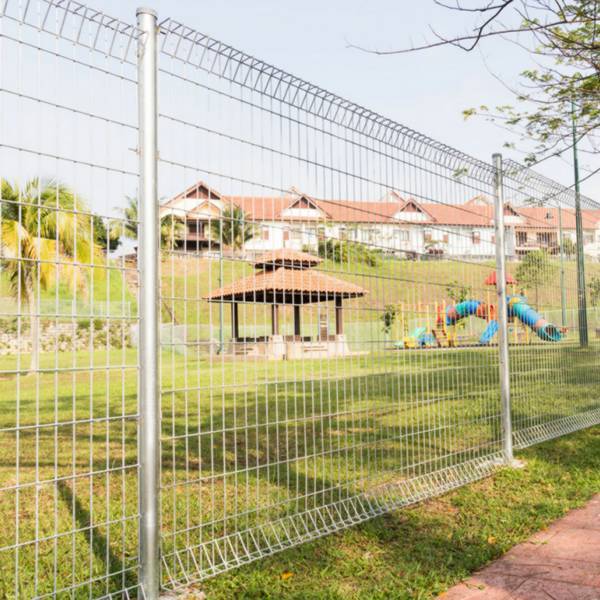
x: 172, y: 228
x: 345, y: 252
x: 594, y: 287
x: 42, y: 223
x: 564, y: 77
x: 388, y: 317
x: 569, y: 247
x: 232, y: 229
x: 106, y: 237
x: 130, y: 217
x: 534, y: 270
x: 458, y: 292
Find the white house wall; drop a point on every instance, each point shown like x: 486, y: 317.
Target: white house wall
x: 454, y: 240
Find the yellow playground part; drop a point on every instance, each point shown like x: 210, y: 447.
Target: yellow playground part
x: 439, y: 335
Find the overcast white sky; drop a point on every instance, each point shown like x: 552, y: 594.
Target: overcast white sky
x: 425, y: 91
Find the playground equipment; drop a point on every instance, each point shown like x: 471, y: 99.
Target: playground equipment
x: 424, y: 336
x: 517, y: 308
x: 444, y: 332
x: 418, y: 338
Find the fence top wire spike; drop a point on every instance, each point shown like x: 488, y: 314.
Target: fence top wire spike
x: 366, y: 117
x: 536, y: 183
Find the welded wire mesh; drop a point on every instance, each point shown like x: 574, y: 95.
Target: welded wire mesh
x: 68, y: 370
x: 312, y: 252
x: 554, y: 386
x: 328, y: 308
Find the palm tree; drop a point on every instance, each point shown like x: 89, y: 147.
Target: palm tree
x: 43, y: 228
x: 232, y: 229
x: 172, y: 228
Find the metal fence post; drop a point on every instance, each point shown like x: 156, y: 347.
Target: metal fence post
x: 149, y: 302
x: 507, y: 444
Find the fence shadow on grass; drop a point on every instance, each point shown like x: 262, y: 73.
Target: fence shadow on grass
x: 118, y: 575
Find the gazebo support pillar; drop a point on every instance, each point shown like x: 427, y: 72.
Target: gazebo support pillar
x: 276, y: 345
x: 275, y: 319
x: 339, y: 321
x: 235, y: 322
x: 297, y: 320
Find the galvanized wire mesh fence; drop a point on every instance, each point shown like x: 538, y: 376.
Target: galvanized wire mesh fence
x: 302, y: 393
x: 553, y: 385
x: 68, y: 374
x: 329, y: 325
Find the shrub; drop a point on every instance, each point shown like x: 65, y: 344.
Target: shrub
x: 343, y: 251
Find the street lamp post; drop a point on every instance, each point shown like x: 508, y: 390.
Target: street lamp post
x: 563, y: 300
x: 581, y: 299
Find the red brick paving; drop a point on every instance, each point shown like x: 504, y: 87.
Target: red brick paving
x: 559, y: 563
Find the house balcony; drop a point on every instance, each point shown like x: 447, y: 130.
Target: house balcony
x: 197, y: 236
x: 528, y: 246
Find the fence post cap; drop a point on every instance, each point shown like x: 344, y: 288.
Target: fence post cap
x: 144, y: 10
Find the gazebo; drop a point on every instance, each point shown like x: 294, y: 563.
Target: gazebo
x: 285, y: 277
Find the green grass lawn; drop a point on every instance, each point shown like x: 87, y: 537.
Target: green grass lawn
x: 284, y: 450
x: 246, y: 443
x: 419, y: 552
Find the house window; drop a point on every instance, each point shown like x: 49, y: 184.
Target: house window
x: 342, y: 233
x: 544, y: 238
x: 265, y: 233
x: 445, y: 238
x: 369, y: 235
x: 195, y: 227
x: 588, y: 238
x: 402, y: 235
x: 475, y: 237
x: 286, y: 234
x: 427, y: 237
x: 521, y: 238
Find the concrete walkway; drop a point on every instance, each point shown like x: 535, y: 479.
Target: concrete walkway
x: 559, y: 563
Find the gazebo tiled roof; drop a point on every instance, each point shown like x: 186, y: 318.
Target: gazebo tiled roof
x: 286, y: 258
x: 284, y: 285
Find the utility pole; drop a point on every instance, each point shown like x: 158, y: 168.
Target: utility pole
x: 581, y: 299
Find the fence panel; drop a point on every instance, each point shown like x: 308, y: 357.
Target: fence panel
x: 68, y: 373
x: 554, y: 380
x: 311, y: 251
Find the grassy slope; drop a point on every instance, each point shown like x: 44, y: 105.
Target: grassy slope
x: 106, y: 285
x: 422, y: 551
x: 392, y: 282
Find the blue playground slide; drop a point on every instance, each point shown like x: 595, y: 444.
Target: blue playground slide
x: 518, y: 307
x: 490, y: 331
